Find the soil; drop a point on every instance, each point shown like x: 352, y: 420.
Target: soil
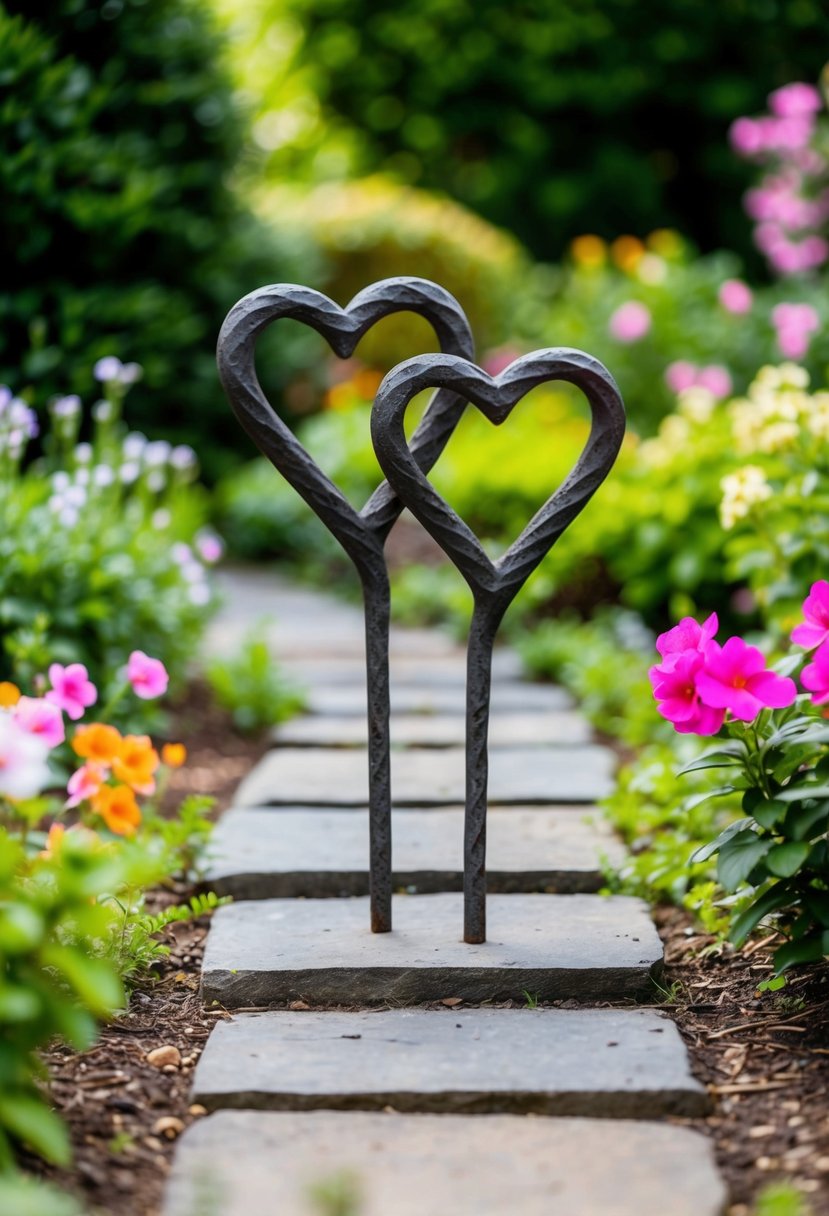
x: 763, y: 1056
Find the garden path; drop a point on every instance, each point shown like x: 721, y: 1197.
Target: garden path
x: 407, y: 1067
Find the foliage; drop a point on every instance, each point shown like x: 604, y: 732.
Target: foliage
x: 30, y: 1197
x: 119, y: 134
x: 373, y: 228
x: 136, y: 949
x: 548, y: 120
x: 89, y: 531
x: 431, y: 595
x: 251, y: 686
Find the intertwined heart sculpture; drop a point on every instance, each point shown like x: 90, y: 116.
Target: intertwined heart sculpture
x: 494, y: 584
x: 361, y: 534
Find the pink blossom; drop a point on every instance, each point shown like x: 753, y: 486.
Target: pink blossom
x: 795, y: 323
x: 815, y: 630
x: 746, y: 137
x: 210, y: 547
x: 735, y: 677
x: 794, y: 100
x: 675, y: 688
x: 84, y: 783
x: 39, y: 717
x: 815, y: 676
x: 72, y: 690
x: 736, y: 296
x: 630, y: 322
x: 716, y: 379
x: 687, y: 635
x: 147, y: 676
x: 680, y: 375
x: 496, y: 360
x: 24, y: 770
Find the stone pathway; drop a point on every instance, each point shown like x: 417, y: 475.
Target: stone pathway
x: 457, y: 1107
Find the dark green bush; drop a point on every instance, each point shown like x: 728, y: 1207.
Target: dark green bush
x: 547, y: 117
x: 120, y: 234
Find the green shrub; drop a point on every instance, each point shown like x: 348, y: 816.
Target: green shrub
x: 549, y: 119
x: 251, y: 686
x: 100, y: 546
x: 119, y: 134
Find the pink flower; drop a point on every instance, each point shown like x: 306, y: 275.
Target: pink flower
x: 687, y: 635
x: 680, y: 375
x: 39, y: 717
x: 210, y: 547
x: 84, y: 783
x: 716, y: 379
x: 815, y: 676
x: 815, y: 630
x: 630, y: 322
x: 675, y: 688
x: 795, y: 323
x: 735, y: 296
x: 746, y: 137
x: 72, y: 690
x: 794, y: 100
x: 735, y: 677
x: 147, y: 676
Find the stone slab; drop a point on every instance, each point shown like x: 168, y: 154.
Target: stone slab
x: 261, y: 853
x: 514, y: 696
x: 303, y: 622
x: 608, y: 1063
x: 254, y: 1163
x: 585, y: 947
x: 339, y: 776
x: 449, y: 669
x: 546, y: 728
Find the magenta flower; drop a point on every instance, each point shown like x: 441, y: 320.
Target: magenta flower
x: 72, y: 690
x: 40, y: 718
x: 815, y: 629
x: 630, y: 322
x: 735, y: 296
x: 687, y: 635
x: 815, y: 676
x: 675, y: 688
x: 795, y: 100
x: 147, y: 676
x: 795, y: 324
x: 735, y: 677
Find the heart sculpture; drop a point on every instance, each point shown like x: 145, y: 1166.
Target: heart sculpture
x: 361, y: 533
x: 494, y: 584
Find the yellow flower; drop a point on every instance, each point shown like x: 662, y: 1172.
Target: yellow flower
x: 173, y: 755
x: 589, y: 251
x: 667, y: 243
x: 9, y: 694
x: 742, y: 490
x: 627, y: 252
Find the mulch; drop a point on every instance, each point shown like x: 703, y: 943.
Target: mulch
x: 763, y: 1056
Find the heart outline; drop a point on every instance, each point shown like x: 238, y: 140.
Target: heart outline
x: 494, y: 584
x: 361, y: 534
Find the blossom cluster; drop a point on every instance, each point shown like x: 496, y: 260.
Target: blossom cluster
x: 778, y: 411
x: 699, y: 682
x: 116, y: 768
x: 790, y: 206
x: 18, y: 424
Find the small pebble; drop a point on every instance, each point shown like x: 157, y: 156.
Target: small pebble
x: 164, y: 1057
x: 197, y: 1109
x: 168, y: 1126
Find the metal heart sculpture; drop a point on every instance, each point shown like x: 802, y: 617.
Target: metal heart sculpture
x: 361, y: 533
x: 494, y: 584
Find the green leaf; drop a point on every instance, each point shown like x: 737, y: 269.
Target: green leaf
x: 767, y: 813
x: 799, y: 793
x: 772, y: 985
x: 777, y: 897
x: 784, y: 860
x: 34, y: 1124
x: 93, y: 979
x: 721, y: 758
x: 807, y: 950
x: 708, y: 850
x: 803, y: 822
x: 29, y: 1197
x: 739, y: 856
x: 698, y: 799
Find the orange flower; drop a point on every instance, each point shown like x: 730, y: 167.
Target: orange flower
x: 628, y: 252
x: 589, y: 251
x: 117, y: 807
x: 136, y: 763
x: 173, y: 754
x: 9, y: 694
x: 97, y: 742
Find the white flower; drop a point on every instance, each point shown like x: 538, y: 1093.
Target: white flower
x: 107, y: 370
x: 103, y: 475
x: 69, y: 517
x: 75, y: 496
x: 24, y: 770
x: 193, y: 572
x: 181, y: 553
x: 157, y: 453
x: 199, y: 593
x: 134, y: 445
x: 82, y: 477
x: 102, y: 411
x: 83, y: 453
x: 129, y: 472
x: 741, y: 491
x: 161, y: 519
x: 66, y: 407
x: 182, y: 457
x: 60, y: 481
x: 156, y: 480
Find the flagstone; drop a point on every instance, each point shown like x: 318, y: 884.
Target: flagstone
x: 256, y: 1163
x: 585, y: 947
x: 549, y: 727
